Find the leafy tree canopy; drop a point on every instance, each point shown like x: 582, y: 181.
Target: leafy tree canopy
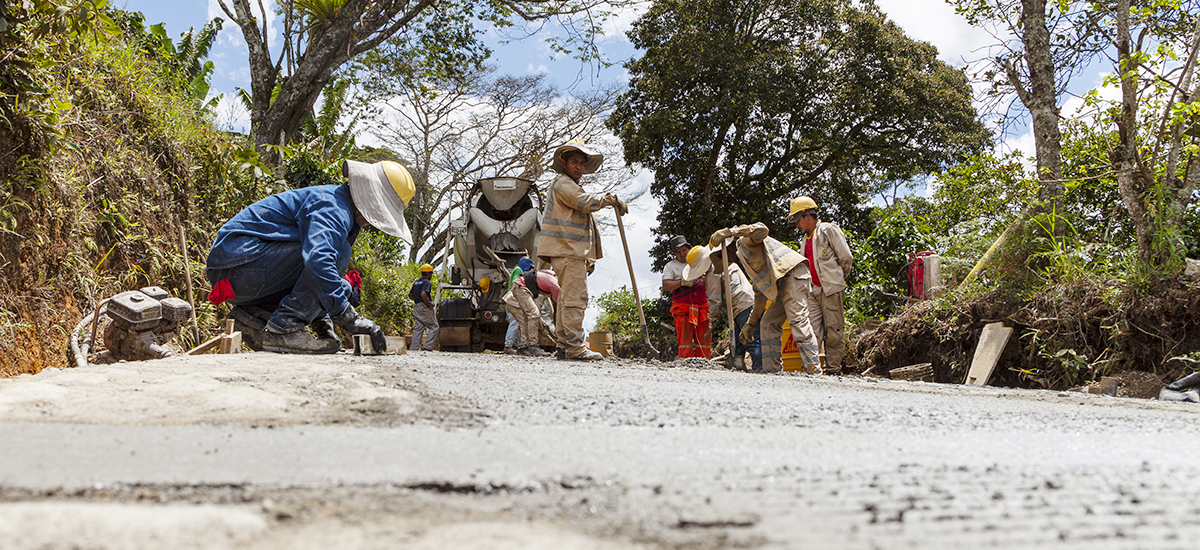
x: 738, y: 106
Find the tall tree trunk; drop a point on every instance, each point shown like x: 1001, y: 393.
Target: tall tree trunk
x: 1041, y: 98
x: 1133, y: 181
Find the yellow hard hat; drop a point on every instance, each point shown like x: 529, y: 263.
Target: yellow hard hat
x: 484, y: 284
x: 694, y: 253
x: 426, y: 268
x: 801, y: 204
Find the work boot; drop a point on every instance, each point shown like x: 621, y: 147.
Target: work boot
x: 250, y: 325
x: 560, y: 354
x: 297, y: 342
x: 511, y: 351
x: 323, y: 328
x: 586, y: 355
x: 533, y: 351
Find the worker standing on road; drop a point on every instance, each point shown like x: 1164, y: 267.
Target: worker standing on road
x: 781, y: 276
x: 702, y: 259
x: 829, y: 261
x: 689, y: 303
x: 279, y: 262
x: 424, y: 321
x: 520, y: 301
x: 570, y: 239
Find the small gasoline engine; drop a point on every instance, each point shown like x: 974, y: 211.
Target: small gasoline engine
x: 143, y: 322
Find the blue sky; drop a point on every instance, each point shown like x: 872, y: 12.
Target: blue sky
x: 930, y: 20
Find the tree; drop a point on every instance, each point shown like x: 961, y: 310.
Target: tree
x: 737, y: 106
x: 320, y: 36
x: 453, y: 132
x: 1157, y: 190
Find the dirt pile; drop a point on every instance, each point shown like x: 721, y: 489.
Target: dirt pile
x: 1063, y: 337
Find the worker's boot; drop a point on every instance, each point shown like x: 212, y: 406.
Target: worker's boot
x: 323, y: 328
x: 297, y: 342
x: 533, y: 351
x: 247, y: 321
x: 586, y: 355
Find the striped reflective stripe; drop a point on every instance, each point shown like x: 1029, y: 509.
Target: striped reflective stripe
x: 585, y: 205
x: 568, y: 236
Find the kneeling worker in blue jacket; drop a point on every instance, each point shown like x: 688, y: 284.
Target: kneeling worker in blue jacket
x: 287, y: 253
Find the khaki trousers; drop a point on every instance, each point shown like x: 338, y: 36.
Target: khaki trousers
x: 424, y: 321
x: 572, y: 301
x: 527, y: 314
x: 790, y: 303
x: 827, y: 315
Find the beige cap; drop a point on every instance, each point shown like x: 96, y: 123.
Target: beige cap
x: 593, y: 158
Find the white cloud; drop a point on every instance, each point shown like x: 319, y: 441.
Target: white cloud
x: 538, y: 69
x: 231, y: 35
x: 934, y: 21
x: 231, y: 114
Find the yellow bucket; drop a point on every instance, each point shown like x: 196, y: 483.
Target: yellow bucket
x: 601, y: 342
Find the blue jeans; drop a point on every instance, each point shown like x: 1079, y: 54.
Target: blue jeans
x: 754, y: 347
x: 510, y: 338
x: 277, y: 277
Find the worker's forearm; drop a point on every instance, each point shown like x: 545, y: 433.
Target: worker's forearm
x: 671, y: 285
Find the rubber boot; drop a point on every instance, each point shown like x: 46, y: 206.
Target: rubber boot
x: 323, y: 328
x: 297, y: 342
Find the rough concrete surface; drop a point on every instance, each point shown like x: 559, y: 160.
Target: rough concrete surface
x: 439, y: 450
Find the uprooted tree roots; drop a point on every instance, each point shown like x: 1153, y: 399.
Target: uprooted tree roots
x: 1065, y: 336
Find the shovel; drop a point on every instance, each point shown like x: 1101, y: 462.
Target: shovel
x: 633, y: 279
x: 733, y: 335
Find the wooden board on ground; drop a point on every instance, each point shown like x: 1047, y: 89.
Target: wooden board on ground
x: 987, y: 353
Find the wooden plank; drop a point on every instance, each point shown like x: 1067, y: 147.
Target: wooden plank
x: 231, y: 343
x: 207, y: 345
x: 987, y: 353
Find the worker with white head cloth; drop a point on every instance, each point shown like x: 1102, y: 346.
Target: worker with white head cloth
x: 279, y: 262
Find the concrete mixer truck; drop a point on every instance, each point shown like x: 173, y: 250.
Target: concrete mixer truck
x: 500, y: 226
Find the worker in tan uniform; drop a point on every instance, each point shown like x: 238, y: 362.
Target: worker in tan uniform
x: 829, y: 261
x: 780, y: 276
x: 569, y: 240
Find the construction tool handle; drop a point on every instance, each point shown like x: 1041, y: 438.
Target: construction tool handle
x: 632, y: 278
x: 187, y: 274
x: 729, y: 304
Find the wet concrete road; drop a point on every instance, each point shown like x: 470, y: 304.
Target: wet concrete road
x: 625, y: 454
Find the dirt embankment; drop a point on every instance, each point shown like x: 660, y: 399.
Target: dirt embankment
x: 1063, y: 337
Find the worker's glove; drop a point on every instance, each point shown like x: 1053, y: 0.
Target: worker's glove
x: 719, y: 237
x: 685, y: 282
x: 591, y: 266
x: 615, y: 202
x: 620, y: 205
x: 352, y: 322
x: 747, y: 334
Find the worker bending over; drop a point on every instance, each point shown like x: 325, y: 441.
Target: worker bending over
x: 279, y: 262
x: 520, y: 301
x: 570, y: 240
x: 781, y: 276
x: 707, y: 263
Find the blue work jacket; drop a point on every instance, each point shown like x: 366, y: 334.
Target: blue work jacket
x: 321, y: 218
